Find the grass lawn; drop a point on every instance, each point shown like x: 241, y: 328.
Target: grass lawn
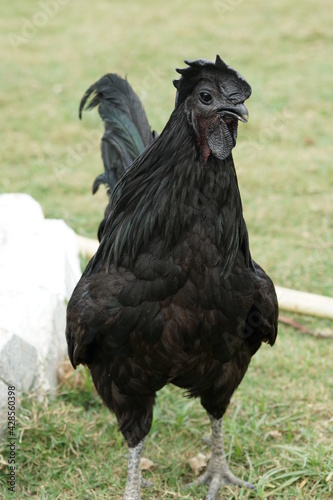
x: 279, y: 427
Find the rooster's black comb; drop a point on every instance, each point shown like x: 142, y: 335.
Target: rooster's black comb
x: 202, y: 68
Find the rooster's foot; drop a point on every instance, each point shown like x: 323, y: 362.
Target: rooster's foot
x: 145, y: 483
x: 217, y: 478
x: 218, y: 472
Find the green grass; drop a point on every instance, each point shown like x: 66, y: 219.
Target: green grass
x: 278, y: 430
x: 278, y: 434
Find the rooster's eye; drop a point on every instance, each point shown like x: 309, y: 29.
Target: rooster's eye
x: 205, y: 97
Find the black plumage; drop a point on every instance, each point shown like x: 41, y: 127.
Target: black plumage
x: 127, y: 131
x: 172, y: 294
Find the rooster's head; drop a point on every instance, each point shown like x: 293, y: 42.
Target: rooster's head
x: 213, y: 96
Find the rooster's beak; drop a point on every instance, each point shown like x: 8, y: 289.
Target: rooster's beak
x: 238, y: 111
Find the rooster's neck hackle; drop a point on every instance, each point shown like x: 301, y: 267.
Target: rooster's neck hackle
x: 168, y: 191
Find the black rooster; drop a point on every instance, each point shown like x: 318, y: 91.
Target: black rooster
x: 172, y: 294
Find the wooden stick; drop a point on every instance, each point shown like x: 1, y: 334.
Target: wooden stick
x: 289, y: 300
x: 87, y: 246
x: 304, y: 303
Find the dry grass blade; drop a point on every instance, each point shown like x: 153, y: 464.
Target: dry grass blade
x: 328, y: 334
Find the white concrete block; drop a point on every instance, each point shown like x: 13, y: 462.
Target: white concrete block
x: 16, y: 359
x: 19, y: 210
x: 39, y: 267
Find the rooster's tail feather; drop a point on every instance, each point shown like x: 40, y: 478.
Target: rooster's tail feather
x: 127, y: 131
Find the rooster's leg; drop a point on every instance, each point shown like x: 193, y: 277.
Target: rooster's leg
x: 218, y: 472
x: 134, y: 478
